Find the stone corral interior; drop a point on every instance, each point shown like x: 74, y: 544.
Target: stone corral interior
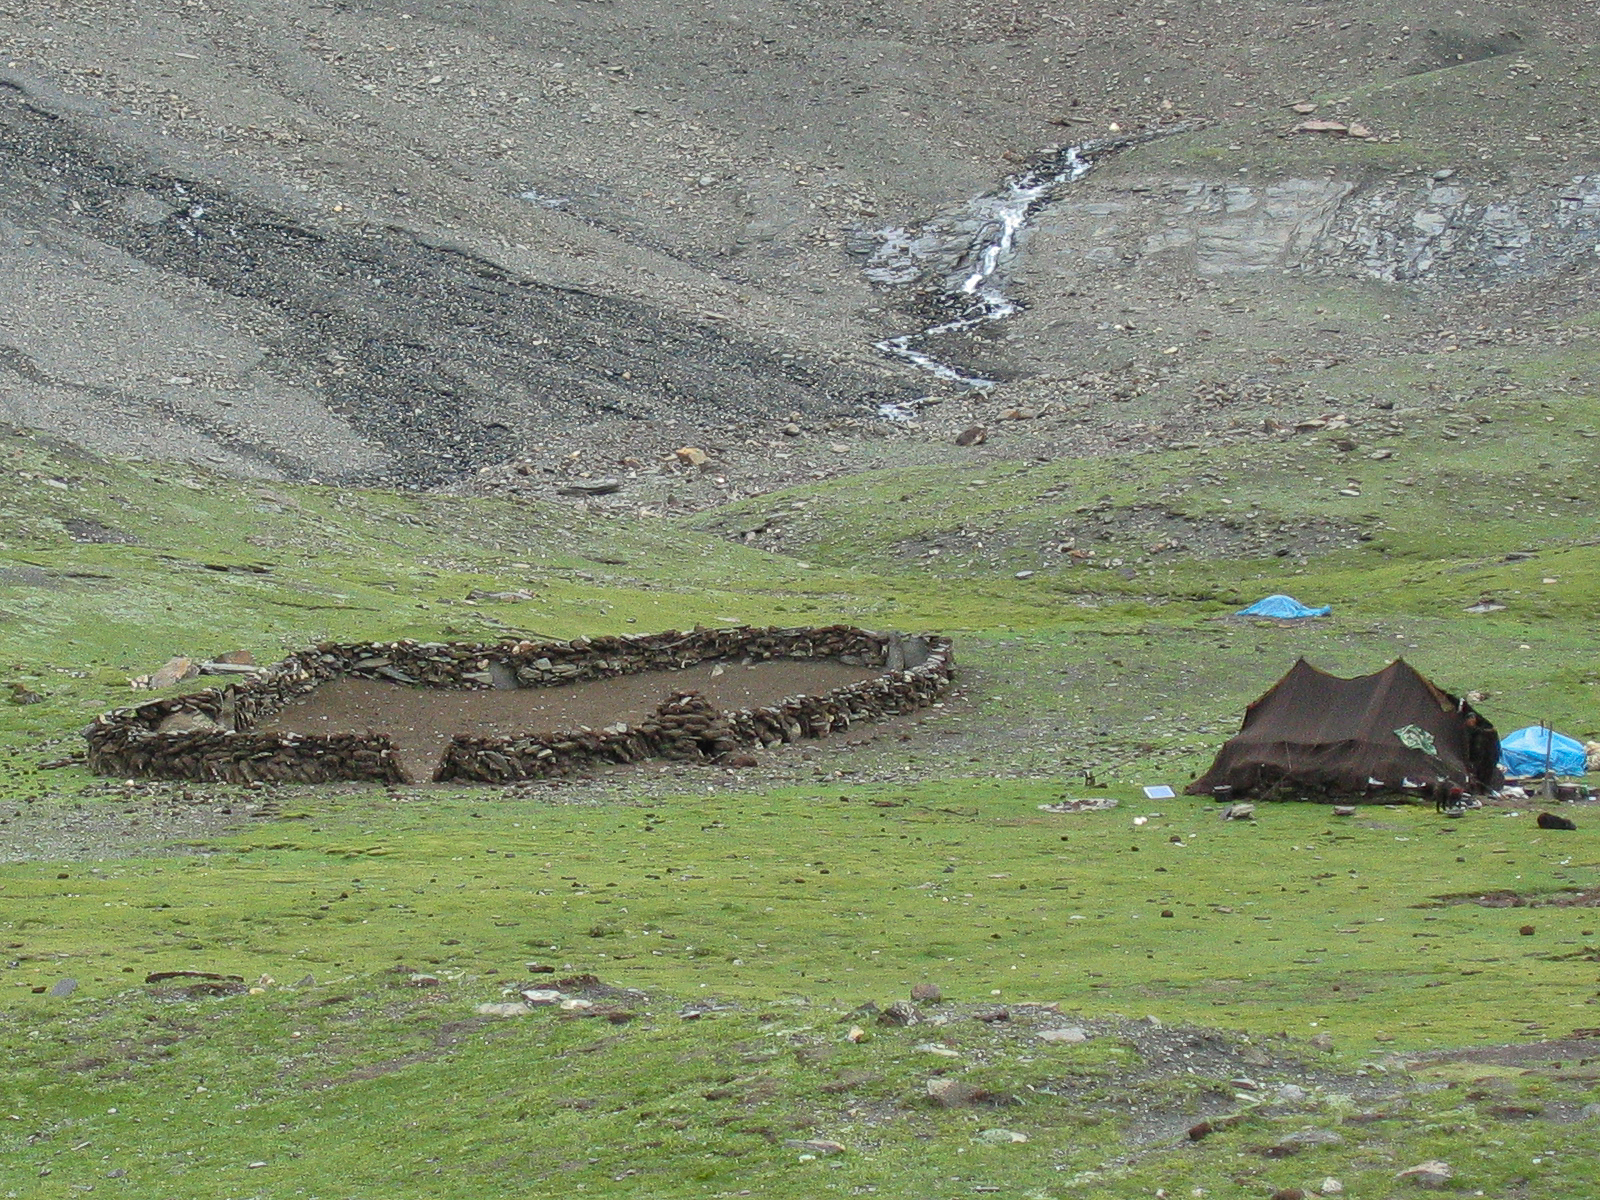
x: 402, y: 712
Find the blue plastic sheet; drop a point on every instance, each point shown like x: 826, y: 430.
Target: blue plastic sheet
x: 1284, y: 608
x: 1523, y: 752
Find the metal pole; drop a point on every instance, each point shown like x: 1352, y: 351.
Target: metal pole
x: 1549, y: 745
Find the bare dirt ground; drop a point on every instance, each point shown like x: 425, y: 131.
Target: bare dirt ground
x: 421, y: 721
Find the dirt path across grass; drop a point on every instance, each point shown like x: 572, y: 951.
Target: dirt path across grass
x: 423, y: 720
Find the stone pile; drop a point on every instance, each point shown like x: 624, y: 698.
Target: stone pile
x: 208, y: 735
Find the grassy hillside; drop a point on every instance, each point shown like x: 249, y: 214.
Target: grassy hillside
x: 739, y: 921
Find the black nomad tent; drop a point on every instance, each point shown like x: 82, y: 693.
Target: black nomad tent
x: 1313, y: 733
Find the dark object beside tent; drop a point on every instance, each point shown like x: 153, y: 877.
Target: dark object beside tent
x: 1316, y: 734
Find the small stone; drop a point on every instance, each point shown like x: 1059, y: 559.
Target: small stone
x: 900, y: 1012
x: 1024, y: 575
x: 508, y: 1009
x: 591, y: 487
x: 1305, y: 1139
x: 926, y: 993
x: 952, y: 1093
x: 992, y: 1016
x: 1239, y: 812
x: 839, y: 448
x: 186, y: 721
x: 692, y: 456
x: 175, y: 671
x: 1291, y: 1093
x: 856, y: 1034
x: 1070, y: 1036
x: 1344, y: 810
x: 537, y: 996
x: 791, y: 430
x: 1002, y: 1137
x: 1322, y: 125
x: 973, y: 435
x: 817, y: 1145
x: 1381, y: 455
x: 64, y: 987
x: 1357, y: 130
x: 1305, y: 108
x: 1322, y: 1041
x: 1330, y: 1187
x: 1430, y: 1174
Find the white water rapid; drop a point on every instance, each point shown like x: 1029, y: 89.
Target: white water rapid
x: 996, y: 220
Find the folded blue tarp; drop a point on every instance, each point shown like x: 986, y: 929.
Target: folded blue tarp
x: 1285, y: 607
x: 1523, y: 752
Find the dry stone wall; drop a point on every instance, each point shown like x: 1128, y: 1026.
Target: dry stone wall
x: 210, y: 734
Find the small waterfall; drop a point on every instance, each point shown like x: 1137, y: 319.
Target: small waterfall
x: 979, y: 293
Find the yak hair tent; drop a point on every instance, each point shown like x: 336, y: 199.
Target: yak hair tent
x: 1316, y: 734
x: 1537, y: 749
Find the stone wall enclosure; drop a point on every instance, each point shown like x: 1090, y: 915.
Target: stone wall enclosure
x: 211, y: 735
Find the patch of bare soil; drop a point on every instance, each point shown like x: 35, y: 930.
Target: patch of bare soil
x: 1504, y: 898
x: 421, y: 721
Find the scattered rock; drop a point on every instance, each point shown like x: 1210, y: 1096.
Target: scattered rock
x: 1321, y: 125
x: 1291, y: 1093
x: 1002, y: 1137
x: 507, y: 1009
x: 1344, y: 810
x: 1430, y: 1174
x: 537, y: 996
x: 1070, y: 1036
x: 1322, y: 1041
x: 901, y: 1012
x: 64, y: 987
x: 791, y: 430
x: 816, y: 1145
x: 953, y: 1093
x: 1239, y: 812
x: 856, y: 1034
x: 1305, y: 1139
x: 926, y: 993
x: 973, y: 435
x: 21, y: 693
x: 1551, y: 821
x: 1330, y: 1187
x: 186, y: 721
x: 1024, y: 575
x: 592, y: 487
x: 174, y: 672
x: 992, y: 1016
x: 692, y: 456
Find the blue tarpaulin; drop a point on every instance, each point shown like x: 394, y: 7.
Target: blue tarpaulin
x: 1283, y: 607
x: 1523, y: 752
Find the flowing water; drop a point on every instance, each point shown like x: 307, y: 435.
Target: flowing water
x: 977, y: 292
